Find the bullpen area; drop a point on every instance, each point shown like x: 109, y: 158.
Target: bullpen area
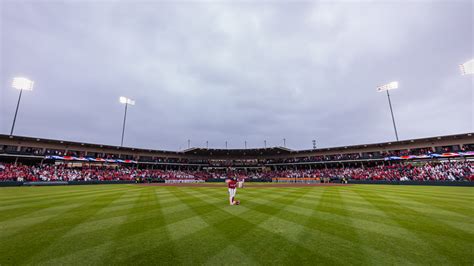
x: 137, y: 224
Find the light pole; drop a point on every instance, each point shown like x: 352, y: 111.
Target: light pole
x: 467, y: 68
x: 20, y: 84
x: 265, y: 144
x: 284, y: 142
x: 126, y: 101
x: 390, y: 86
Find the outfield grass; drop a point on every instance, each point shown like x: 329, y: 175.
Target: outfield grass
x: 132, y: 224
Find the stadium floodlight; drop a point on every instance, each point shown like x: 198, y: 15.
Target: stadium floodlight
x: 390, y: 86
x: 127, y: 102
x: 21, y: 84
x: 467, y: 68
x: 387, y: 87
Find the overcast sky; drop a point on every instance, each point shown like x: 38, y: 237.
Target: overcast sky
x: 241, y: 71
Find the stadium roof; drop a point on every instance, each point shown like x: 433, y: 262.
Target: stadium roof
x: 238, y: 152
x: 252, y: 152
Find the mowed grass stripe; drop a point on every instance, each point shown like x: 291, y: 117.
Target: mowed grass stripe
x: 159, y: 231
x: 104, y: 218
x: 59, y: 196
x: 298, y: 232
x: 408, y: 200
x: 317, y: 233
x: 14, y: 210
x: 461, y: 194
x: 137, y: 225
x: 447, y: 242
x: 195, y: 225
x: 368, y: 213
x: 425, y: 208
x: 359, y: 207
x: 279, y: 222
x: 11, y: 193
x: 44, y: 208
x: 341, y: 213
x: 445, y: 190
x: 127, y: 203
x: 89, y: 233
x: 195, y: 205
x: 46, y: 232
x: 434, y: 208
x: 185, y: 235
x: 215, y: 242
x: 440, y: 224
x: 55, y: 192
x: 441, y: 203
x: 337, y: 222
x: 251, y: 229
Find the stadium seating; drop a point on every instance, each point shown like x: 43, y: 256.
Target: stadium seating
x: 446, y: 171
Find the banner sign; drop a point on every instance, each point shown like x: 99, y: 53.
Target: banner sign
x: 88, y: 159
x: 431, y: 155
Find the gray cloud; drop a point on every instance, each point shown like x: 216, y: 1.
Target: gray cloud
x: 236, y: 71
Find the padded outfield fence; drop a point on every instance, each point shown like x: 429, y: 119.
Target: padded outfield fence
x: 184, y: 181
x: 301, y: 180
x: 275, y: 180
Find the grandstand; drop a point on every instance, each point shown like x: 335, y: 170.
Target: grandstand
x: 440, y: 159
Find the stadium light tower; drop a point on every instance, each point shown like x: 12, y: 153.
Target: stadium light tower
x: 467, y: 68
x: 21, y: 84
x: 390, y: 86
x: 126, y: 101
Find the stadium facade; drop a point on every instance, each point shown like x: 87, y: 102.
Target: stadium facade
x: 34, y: 150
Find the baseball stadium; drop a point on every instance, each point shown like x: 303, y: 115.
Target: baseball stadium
x: 273, y: 133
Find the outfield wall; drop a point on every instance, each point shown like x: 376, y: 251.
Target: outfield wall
x: 418, y: 183
x: 62, y: 183
x: 367, y: 182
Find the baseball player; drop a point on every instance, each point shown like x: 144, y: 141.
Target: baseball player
x: 232, y: 187
x: 240, y: 181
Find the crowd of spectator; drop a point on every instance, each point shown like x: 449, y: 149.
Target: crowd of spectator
x: 243, y: 162
x: 48, y: 172
x: 445, y: 171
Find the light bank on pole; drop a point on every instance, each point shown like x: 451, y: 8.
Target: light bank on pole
x: 21, y: 84
x: 127, y: 102
x: 387, y: 87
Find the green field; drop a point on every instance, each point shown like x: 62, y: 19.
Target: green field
x: 133, y: 224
